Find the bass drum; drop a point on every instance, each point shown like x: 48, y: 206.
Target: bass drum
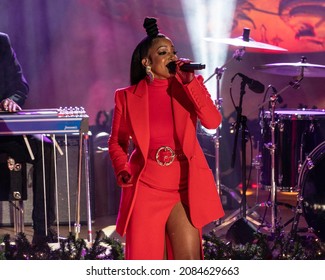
x: 311, y: 183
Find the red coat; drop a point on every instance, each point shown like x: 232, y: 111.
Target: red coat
x: 190, y: 102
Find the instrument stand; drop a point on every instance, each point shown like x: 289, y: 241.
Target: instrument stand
x: 257, y: 164
x: 271, y: 147
x: 241, y: 123
x: 296, y: 218
x: 83, y: 149
x: 238, y: 54
x: 217, y: 136
x: 18, y: 213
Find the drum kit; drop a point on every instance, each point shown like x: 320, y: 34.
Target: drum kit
x: 293, y: 144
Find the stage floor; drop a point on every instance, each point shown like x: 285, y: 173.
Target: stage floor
x: 258, y: 213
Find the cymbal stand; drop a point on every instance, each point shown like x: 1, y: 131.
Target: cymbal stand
x: 272, y: 148
x: 238, y: 54
x: 257, y: 164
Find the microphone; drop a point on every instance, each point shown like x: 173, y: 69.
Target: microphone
x: 187, y: 67
x: 253, y: 85
x: 192, y: 66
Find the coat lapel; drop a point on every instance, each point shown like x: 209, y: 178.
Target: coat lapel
x: 137, y: 105
x: 182, y: 119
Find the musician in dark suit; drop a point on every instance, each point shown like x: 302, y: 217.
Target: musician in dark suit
x: 13, y: 93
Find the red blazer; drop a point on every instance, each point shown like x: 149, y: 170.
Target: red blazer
x: 190, y: 102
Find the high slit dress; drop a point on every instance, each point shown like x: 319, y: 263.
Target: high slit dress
x: 159, y: 187
x: 162, y: 113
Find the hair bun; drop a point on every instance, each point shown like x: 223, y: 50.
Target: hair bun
x: 150, y: 24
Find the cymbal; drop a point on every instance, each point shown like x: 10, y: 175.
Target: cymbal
x: 293, y: 69
x: 240, y: 42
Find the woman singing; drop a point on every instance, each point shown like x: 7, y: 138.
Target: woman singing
x: 168, y: 190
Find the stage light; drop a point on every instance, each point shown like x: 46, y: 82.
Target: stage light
x: 209, y: 18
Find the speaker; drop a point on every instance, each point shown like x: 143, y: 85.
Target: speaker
x: 107, y: 198
x: 67, y: 186
x: 241, y: 232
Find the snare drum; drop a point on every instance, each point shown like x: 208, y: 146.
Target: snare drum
x: 297, y: 133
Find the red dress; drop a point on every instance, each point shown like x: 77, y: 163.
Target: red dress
x: 160, y: 187
x: 152, y: 115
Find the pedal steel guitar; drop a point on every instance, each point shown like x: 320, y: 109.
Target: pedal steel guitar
x: 63, y: 121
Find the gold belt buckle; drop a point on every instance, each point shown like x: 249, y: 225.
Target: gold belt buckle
x: 167, y: 159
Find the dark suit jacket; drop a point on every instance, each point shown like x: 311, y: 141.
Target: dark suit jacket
x: 13, y: 84
x: 131, y: 119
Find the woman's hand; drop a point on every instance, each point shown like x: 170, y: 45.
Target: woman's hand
x: 9, y: 105
x: 124, y: 179
x: 186, y: 76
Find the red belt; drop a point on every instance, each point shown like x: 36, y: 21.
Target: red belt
x: 165, y: 155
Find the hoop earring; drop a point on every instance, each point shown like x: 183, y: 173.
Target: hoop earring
x: 149, y: 73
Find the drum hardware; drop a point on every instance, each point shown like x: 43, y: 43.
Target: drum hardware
x: 257, y: 163
x: 238, y: 55
x: 217, y: 136
x: 310, y: 200
x: 242, y: 216
x: 241, y: 124
x: 271, y: 147
x: 299, y: 70
x: 306, y: 127
x: 295, y: 69
x: 306, y: 164
x: 298, y: 132
x: 297, y: 214
x: 245, y: 41
x: 242, y: 42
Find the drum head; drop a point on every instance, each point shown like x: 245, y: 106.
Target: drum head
x: 312, y: 183
x: 299, y: 114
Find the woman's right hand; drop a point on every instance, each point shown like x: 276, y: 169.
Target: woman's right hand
x: 186, y: 76
x: 124, y: 179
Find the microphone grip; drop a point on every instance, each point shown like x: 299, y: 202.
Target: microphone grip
x: 192, y: 66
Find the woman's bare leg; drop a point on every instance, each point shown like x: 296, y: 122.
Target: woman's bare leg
x: 184, y: 237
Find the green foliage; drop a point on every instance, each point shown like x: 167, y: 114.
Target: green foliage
x: 71, y: 248
x: 276, y: 246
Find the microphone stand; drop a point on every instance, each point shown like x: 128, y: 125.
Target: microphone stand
x: 241, y: 123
